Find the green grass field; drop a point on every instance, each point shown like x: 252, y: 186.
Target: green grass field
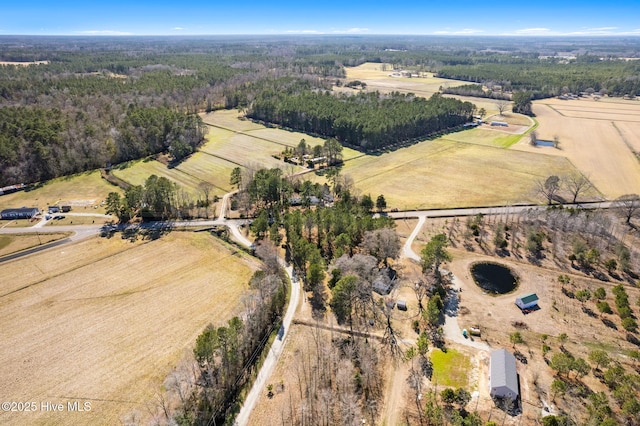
x: 484, y: 137
x: 137, y: 172
x: 445, y: 173
x: 450, y: 368
x: 85, y: 189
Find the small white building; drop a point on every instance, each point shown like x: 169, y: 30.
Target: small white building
x: 503, y: 379
x: 527, y: 301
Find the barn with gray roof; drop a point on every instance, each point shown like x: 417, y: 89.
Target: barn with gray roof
x: 503, y: 379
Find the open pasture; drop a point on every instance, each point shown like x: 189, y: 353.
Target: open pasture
x: 444, y: 173
x: 208, y: 168
x: 81, y: 191
x: 244, y: 150
x: 484, y: 136
x: 137, y: 172
x: 376, y: 79
x: 106, y: 320
x: 230, y: 119
x: 601, y: 148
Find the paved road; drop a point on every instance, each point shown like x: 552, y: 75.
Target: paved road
x: 260, y: 385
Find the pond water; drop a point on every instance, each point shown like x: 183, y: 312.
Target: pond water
x: 541, y: 142
x: 494, y: 278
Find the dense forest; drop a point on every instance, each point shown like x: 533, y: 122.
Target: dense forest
x: 101, y: 100
x: 367, y: 120
x: 549, y: 77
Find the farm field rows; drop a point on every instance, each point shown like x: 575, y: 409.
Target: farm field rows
x: 598, y: 140
x: 105, y: 321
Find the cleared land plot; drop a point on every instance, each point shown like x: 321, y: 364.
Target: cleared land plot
x: 80, y: 191
x: 208, y: 168
x: 106, y: 320
x: 443, y: 173
x: 376, y: 79
x: 137, y: 172
x: 629, y: 133
x: 17, y: 242
x: 230, y: 119
x: 245, y: 150
x: 484, y: 136
x: 594, y: 146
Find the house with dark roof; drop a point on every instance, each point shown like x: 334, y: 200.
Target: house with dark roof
x: 21, y: 213
x: 503, y: 379
x: 527, y: 301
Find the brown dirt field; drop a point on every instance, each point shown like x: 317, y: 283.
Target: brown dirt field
x: 599, y: 148
x: 17, y: 242
x: 105, y: 320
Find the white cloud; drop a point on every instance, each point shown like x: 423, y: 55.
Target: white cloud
x: 104, y: 32
x: 465, y: 31
x: 304, y: 32
x: 355, y: 30
x: 177, y: 28
x: 533, y: 31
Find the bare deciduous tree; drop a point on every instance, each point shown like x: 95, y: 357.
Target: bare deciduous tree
x: 577, y: 184
x: 628, y: 205
x: 502, y: 105
x: 548, y: 188
x: 382, y: 244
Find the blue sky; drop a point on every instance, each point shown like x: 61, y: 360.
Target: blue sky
x: 196, y: 17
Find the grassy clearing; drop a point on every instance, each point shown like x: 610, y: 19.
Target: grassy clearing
x: 450, y: 368
x: 85, y: 189
x: 485, y: 137
x: 443, y: 173
x: 230, y: 119
x: 207, y: 168
x: 17, y: 242
x: 105, y: 320
x: 137, y: 172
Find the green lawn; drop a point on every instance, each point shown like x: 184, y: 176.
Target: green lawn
x: 84, y: 189
x: 484, y: 137
x: 450, y: 368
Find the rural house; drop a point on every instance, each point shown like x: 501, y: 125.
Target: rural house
x: 385, y: 281
x: 21, y: 213
x: 527, y: 301
x: 503, y: 378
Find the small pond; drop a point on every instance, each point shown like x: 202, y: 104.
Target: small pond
x: 541, y: 142
x: 494, y: 278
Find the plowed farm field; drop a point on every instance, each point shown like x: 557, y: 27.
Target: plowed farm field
x: 104, y: 321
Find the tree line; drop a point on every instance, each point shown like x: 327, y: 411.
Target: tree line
x: 367, y: 121
x: 38, y: 144
x: 546, y: 78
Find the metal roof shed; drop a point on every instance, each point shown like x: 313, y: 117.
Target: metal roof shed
x: 527, y: 301
x: 503, y: 379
